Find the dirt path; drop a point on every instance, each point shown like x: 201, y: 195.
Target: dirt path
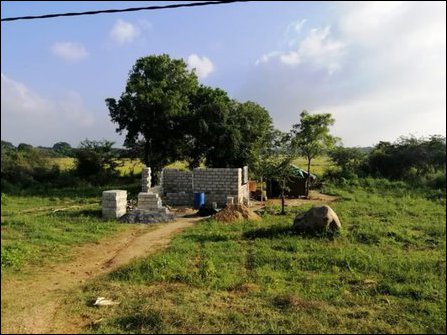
x: 29, y: 304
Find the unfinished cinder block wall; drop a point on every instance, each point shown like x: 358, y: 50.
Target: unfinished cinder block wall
x: 178, y: 187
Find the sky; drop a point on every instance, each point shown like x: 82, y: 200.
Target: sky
x: 378, y: 67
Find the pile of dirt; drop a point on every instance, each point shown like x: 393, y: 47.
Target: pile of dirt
x: 235, y: 212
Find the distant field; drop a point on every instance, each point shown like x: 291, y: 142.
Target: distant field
x: 318, y: 167
x: 64, y: 163
x: 67, y: 163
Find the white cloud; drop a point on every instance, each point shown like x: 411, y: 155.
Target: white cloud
x: 388, y: 65
x: 266, y: 57
x: 28, y: 117
x: 69, y: 51
x: 317, y: 49
x: 202, y: 65
x: 126, y: 32
x: 293, y: 32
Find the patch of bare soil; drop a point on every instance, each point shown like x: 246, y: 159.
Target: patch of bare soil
x: 315, y: 198
x: 30, y: 304
x: 235, y: 212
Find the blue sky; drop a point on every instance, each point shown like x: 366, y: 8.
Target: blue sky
x: 378, y: 67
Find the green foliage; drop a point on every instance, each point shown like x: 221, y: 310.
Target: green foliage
x: 96, y: 161
x: 25, y: 147
x: 168, y: 116
x: 418, y: 161
x: 152, y: 107
x: 26, y: 167
x: 347, y: 160
x: 226, y: 133
x: 7, y: 145
x: 63, y: 149
x: 311, y: 138
x: 408, y: 158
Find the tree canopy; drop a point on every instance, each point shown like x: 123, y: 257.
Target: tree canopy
x: 165, y: 111
x: 152, y: 107
x: 311, y: 137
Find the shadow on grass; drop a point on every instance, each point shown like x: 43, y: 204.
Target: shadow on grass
x: 141, y: 322
x: 201, y: 238
x: 268, y: 232
x: 79, y: 191
x: 282, y: 231
x: 92, y: 213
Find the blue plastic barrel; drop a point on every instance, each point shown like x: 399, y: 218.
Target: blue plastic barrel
x: 199, y: 199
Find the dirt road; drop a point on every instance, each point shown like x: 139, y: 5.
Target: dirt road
x: 29, y: 304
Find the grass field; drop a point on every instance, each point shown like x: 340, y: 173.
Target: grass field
x: 318, y: 165
x: 385, y: 273
x: 64, y: 163
x: 39, y: 229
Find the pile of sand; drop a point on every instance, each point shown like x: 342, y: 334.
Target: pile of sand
x: 235, y: 212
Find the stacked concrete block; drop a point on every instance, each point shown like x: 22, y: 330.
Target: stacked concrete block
x: 145, y: 179
x: 217, y: 184
x: 176, y: 181
x: 244, y: 175
x: 179, y: 199
x: 177, y: 187
x: 148, y: 201
x: 114, y: 204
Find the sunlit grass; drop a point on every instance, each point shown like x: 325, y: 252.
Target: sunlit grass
x: 385, y: 273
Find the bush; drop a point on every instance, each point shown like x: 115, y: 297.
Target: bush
x: 96, y: 161
x: 25, y: 167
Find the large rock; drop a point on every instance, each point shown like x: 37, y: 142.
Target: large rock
x: 317, y: 219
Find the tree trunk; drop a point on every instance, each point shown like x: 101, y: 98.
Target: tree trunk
x: 308, y: 176
x: 283, y: 201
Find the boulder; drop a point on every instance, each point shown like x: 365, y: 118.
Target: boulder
x: 317, y: 219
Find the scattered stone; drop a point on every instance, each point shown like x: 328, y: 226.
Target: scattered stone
x: 131, y: 205
x: 145, y: 216
x: 101, y: 301
x: 317, y: 219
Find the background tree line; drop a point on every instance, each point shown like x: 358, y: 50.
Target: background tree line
x: 167, y: 116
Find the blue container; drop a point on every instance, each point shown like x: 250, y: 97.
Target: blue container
x: 199, y: 199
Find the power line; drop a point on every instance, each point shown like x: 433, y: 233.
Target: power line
x: 109, y: 11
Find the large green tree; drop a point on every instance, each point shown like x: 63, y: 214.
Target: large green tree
x: 170, y: 115
x: 208, y: 134
x: 224, y: 132
x: 153, y: 106
x: 311, y: 137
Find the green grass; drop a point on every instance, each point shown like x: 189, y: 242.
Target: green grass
x: 34, y: 229
x: 125, y: 168
x: 384, y: 273
x: 318, y: 166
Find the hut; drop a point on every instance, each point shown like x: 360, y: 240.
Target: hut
x: 295, y: 185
